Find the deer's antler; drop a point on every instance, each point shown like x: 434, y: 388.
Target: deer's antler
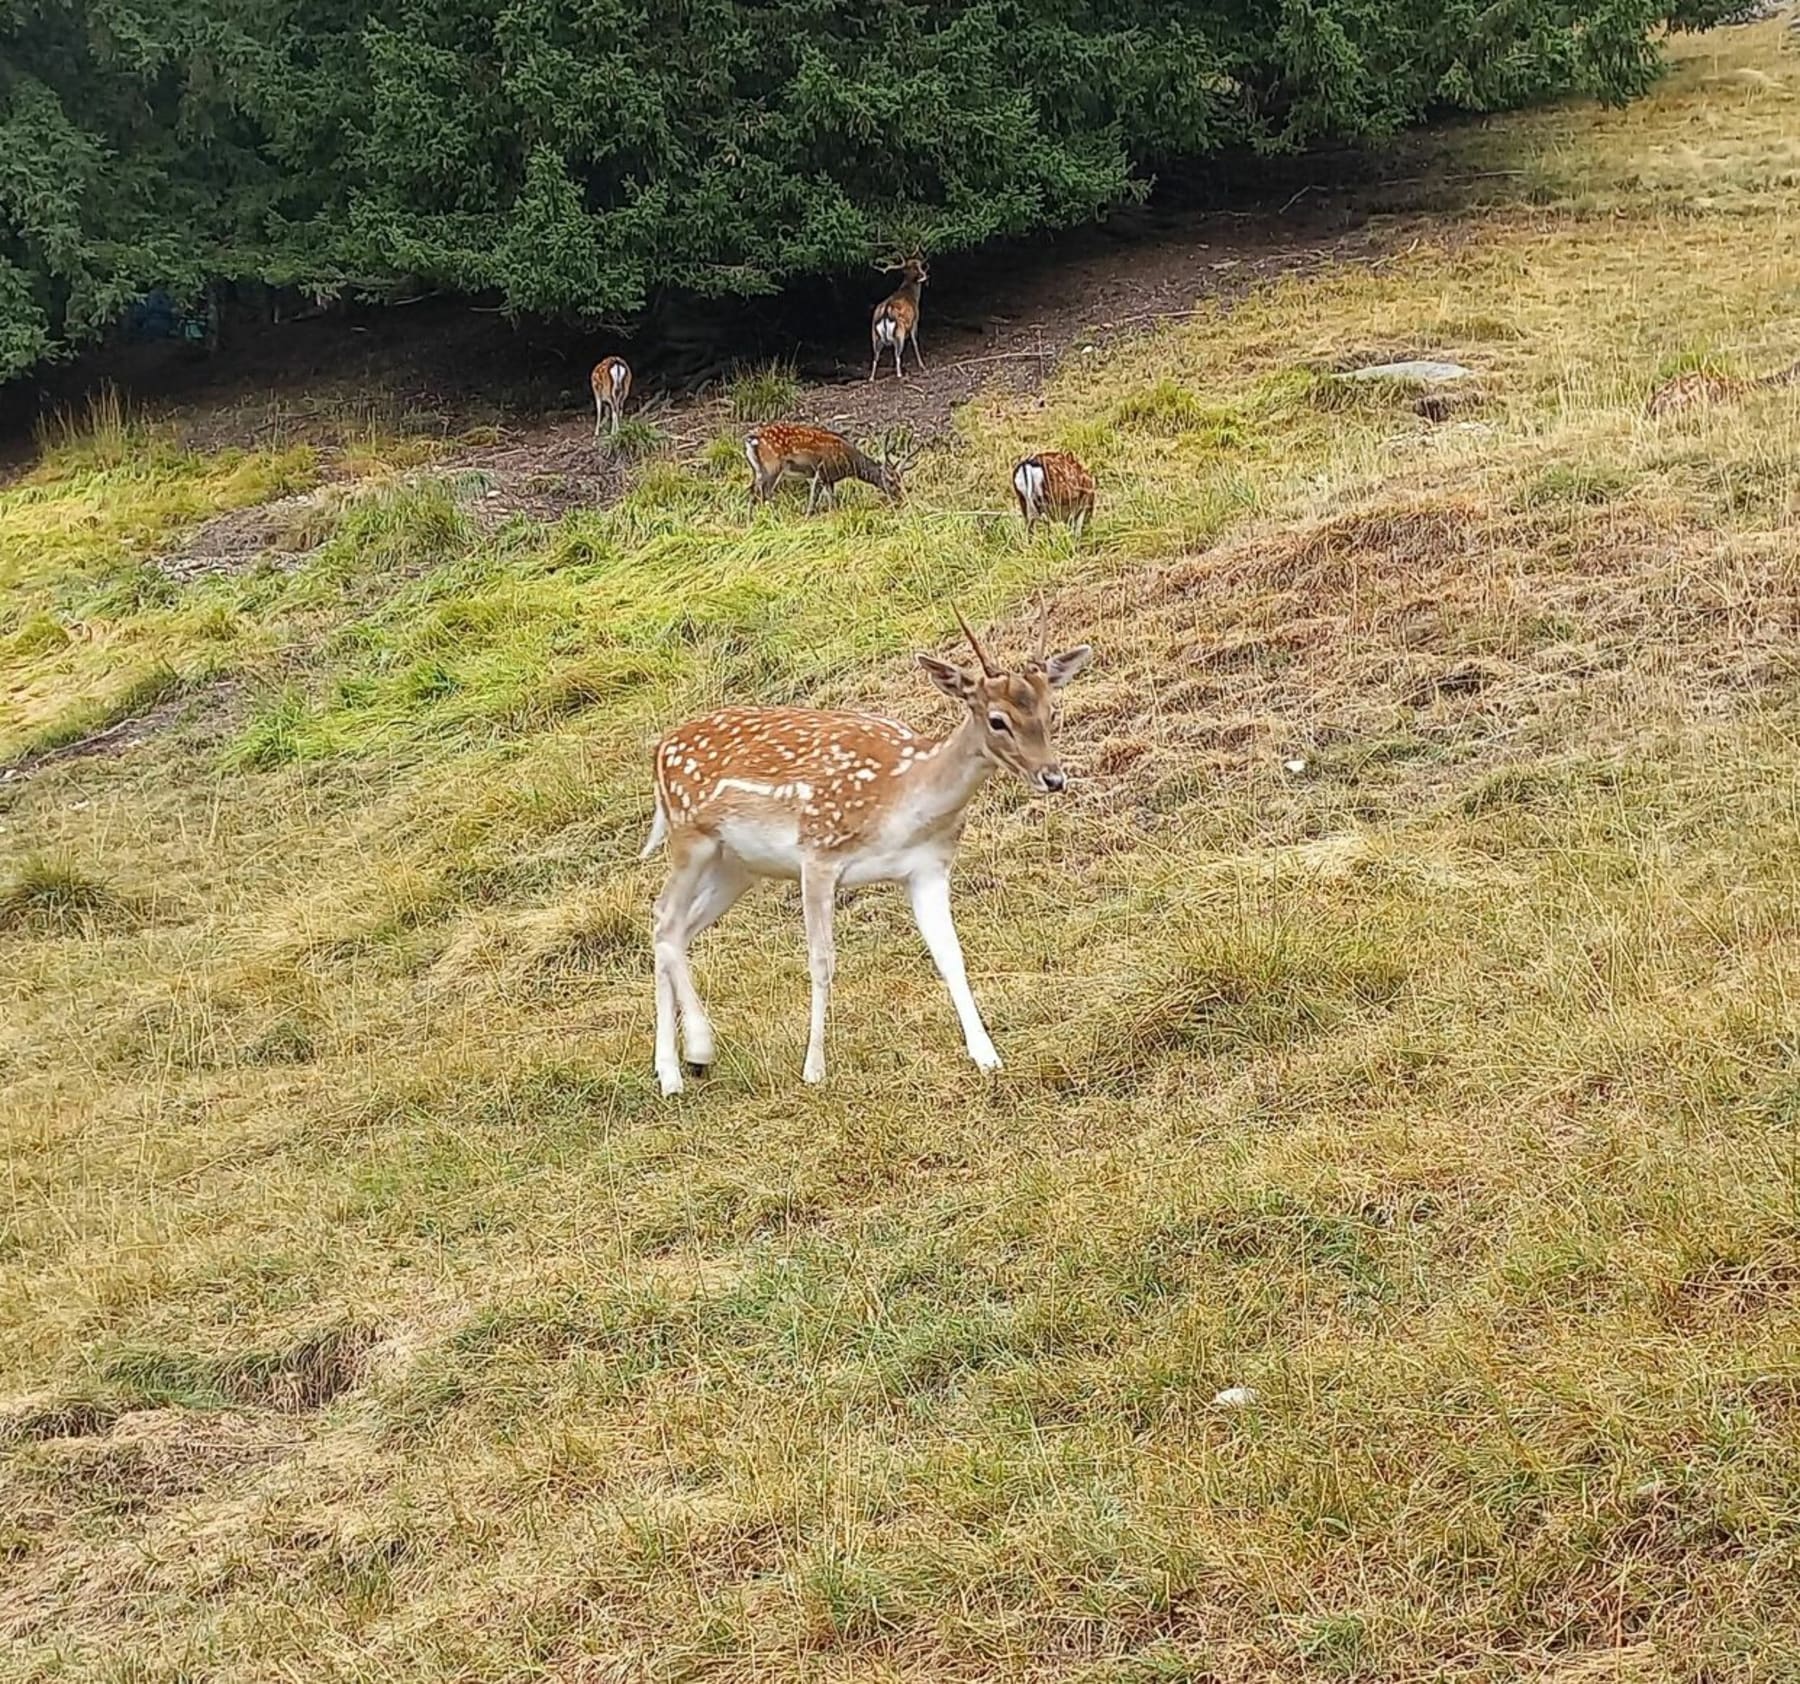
x: 987, y: 666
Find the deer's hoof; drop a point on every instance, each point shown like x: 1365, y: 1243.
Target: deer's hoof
x: 697, y: 1070
x: 670, y: 1082
x: 987, y: 1060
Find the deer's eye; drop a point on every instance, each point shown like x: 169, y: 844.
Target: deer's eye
x: 998, y: 722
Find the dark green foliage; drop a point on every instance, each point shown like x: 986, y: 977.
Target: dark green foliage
x: 573, y: 157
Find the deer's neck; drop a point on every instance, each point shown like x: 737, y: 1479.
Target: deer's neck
x: 944, y: 780
x: 864, y: 468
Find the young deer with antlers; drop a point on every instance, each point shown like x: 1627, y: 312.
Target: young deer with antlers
x: 836, y: 799
x: 896, y: 318
x: 816, y: 454
x: 611, y: 381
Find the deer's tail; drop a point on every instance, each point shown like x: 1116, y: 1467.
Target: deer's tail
x: 659, y: 830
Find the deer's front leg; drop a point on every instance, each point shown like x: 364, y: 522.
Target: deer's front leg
x: 930, y: 896
x: 818, y: 889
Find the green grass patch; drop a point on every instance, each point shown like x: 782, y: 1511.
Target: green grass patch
x: 767, y: 392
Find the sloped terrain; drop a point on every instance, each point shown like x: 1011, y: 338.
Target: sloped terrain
x: 1399, y: 1016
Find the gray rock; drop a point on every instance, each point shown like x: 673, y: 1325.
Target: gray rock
x: 1426, y: 372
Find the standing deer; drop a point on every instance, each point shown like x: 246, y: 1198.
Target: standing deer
x: 896, y: 318
x: 835, y: 800
x: 1054, y: 485
x: 1699, y: 387
x: 611, y: 381
x: 816, y: 454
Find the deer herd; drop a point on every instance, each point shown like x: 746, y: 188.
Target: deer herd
x: 835, y: 800
x: 1052, y: 485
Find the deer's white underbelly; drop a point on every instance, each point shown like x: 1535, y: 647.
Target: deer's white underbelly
x: 768, y: 846
x: 895, y: 865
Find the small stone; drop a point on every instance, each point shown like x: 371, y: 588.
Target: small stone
x: 1419, y: 369
x: 1294, y: 766
x: 1235, y: 1397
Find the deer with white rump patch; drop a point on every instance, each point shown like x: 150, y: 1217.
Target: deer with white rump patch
x: 1053, y: 485
x: 836, y: 800
x: 611, y: 381
x: 896, y: 318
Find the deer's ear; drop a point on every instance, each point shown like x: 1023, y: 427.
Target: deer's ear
x: 1059, y: 669
x: 951, y: 679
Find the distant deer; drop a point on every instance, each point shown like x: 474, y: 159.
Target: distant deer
x: 611, y: 381
x: 1697, y: 388
x: 835, y: 800
x: 896, y: 318
x: 816, y: 454
x: 1053, y: 485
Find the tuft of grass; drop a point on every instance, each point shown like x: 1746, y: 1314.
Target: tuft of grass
x: 54, y: 895
x: 275, y: 732
x: 41, y: 634
x: 724, y: 454
x: 767, y: 392
x: 635, y: 439
x: 1164, y: 409
x: 297, y: 1377
x: 102, y: 434
x: 1591, y: 483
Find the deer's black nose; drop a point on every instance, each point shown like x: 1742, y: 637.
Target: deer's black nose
x: 1052, y: 778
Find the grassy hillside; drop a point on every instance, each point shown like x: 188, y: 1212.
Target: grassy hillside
x: 364, y: 1315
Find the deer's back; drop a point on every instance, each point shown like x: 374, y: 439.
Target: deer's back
x: 753, y: 775
x: 814, y: 449
x: 1067, y: 483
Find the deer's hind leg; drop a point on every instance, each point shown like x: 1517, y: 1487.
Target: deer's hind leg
x: 691, y: 861
x: 718, y: 891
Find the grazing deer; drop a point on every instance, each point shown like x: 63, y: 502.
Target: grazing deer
x: 611, y: 381
x: 1698, y: 388
x: 836, y: 799
x: 896, y: 318
x: 1053, y: 485
x: 814, y: 453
